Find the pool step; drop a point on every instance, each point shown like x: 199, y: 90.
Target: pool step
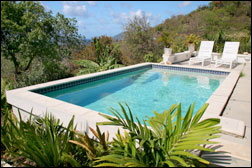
x: 229, y: 126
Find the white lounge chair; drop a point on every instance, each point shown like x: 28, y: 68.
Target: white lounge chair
x: 205, y: 53
x: 229, y: 54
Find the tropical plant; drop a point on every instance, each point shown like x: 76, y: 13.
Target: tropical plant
x: 41, y: 142
x: 171, y: 139
x: 94, y: 148
x: 88, y: 66
x: 193, y: 39
x: 105, y: 58
x: 166, y: 39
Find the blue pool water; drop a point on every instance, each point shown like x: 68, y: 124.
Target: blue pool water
x: 144, y: 91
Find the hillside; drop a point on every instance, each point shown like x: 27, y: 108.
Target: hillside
x: 219, y: 21
x: 118, y: 37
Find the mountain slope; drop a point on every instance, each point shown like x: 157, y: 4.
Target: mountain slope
x: 229, y: 19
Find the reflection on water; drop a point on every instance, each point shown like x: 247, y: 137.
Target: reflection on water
x: 203, y: 81
x: 165, y: 77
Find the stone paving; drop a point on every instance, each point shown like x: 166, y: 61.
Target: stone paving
x: 239, y: 107
x: 235, y: 151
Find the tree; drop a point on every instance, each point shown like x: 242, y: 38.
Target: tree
x: 30, y: 33
x: 139, y: 38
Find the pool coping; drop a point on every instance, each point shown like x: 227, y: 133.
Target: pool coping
x: 26, y: 100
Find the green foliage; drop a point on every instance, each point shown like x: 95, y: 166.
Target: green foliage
x: 219, y: 40
x: 88, y: 66
x: 193, y: 39
x: 42, y: 142
x: 99, y: 49
x: 106, y: 56
x: 245, y: 44
x: 30, y: 34
x: 94, y: 148
x: 166, y: 39
x: 219, y: 21
x: 169, y: 141
x: 5, y: 85
x: 39, y: 74
x: 149, y: 57
x: 179, y: 46
x: 159, y: 28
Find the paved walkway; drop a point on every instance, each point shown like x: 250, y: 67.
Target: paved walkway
x: 239, y: 107
x: 234, y: 151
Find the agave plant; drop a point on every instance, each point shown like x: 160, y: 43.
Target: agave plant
x: 170, y: 140
x: 41, y: 142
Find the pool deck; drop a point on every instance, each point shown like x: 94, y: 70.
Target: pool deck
x: 238, y: 107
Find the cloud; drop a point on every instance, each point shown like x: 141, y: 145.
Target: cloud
x: 91, y: 3
x: 74, y: 9
x: 184, y: 4
x: 126, y: 5
x: 139, y: 13
x: 124, y: 17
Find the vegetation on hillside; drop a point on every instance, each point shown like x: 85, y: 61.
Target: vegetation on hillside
x: 219, y: 21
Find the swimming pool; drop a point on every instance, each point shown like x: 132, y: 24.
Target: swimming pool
x: 144, y: 90
x: 32, y: 99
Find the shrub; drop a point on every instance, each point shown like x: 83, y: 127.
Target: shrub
x: 4, y: 105
x: 40, y: 74
x: 149, y: 57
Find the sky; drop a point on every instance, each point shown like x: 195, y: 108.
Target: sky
x: 96, y: 18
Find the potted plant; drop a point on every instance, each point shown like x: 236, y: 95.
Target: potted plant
x: 192, y: 40
x: 166, y: 40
